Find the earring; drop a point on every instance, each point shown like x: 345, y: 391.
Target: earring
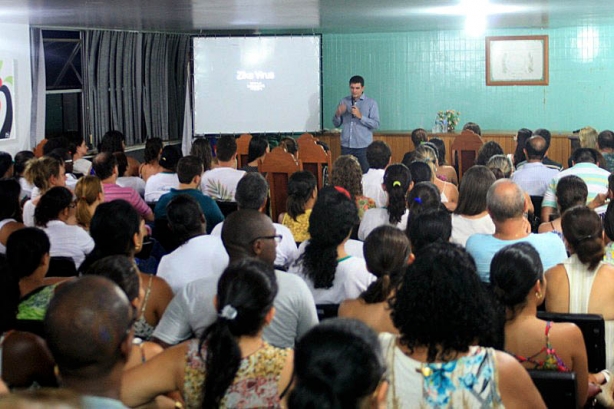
x: 538, y: 295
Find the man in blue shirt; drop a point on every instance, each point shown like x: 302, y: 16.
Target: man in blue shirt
x: 359, y: 116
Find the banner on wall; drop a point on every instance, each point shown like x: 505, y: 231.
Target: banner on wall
x: 7, y: 96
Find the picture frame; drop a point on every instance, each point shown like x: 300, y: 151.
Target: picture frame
x: 517, y: 60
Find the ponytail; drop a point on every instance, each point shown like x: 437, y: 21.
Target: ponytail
x: 396, y: 180
x: 583, y: 231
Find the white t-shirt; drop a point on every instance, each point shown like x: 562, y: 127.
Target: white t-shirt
x: 372, y: 186
x: 28, y: 213
x: 352, y: 247
x: 199, y: 257
x: 287, y: 253
x: 68, y: 241
x: 351, y: 279
x: 82, y: 166
x: 134, y: 182
x: 378, y: 217
x: 463, y: 227
x: 221, y: 183
x: 159, y: 184
x: 192, y: 310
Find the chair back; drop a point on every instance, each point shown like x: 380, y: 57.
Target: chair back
x: 558, y: 389
x: 326, y: 311
x: 227, y: 207
x: 314, y: 158
x: 593, y: 331
x: 278, y: 166
x: 243, y: 149
x: 465, y: 149
x: 61, y: 267
x: 535, y: 217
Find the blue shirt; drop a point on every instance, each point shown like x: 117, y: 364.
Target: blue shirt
x: 211, y: 210
x: 534, y: 178
x: 483, y: 248
x: 358, y: 133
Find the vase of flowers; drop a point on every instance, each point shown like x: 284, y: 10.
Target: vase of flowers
x: 449, y: 119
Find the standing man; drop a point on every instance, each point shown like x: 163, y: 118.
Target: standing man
x: 359, y: 116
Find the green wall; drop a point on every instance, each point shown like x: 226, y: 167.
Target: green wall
x: 412, y: 75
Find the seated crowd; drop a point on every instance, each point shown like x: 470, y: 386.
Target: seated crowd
x: 132, y: 285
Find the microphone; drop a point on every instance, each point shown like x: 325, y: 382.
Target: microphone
x: 353, y: 103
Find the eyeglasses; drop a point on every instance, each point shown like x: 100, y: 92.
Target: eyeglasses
x: 277, y: 238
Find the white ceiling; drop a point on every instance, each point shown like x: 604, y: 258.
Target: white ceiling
x: 319, y: 16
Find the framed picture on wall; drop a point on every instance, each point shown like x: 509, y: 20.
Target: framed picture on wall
x: 517, y: 60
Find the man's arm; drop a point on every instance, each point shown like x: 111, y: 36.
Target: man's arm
x: 371, y: 118
x: 549, y: 202
x: 174, y: 326
x: 338, y: 118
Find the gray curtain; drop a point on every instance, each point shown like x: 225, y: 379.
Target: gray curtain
x: 39, y: 87
x: 136, y: 84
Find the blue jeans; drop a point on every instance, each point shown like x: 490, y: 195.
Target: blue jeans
x: 358, y: 153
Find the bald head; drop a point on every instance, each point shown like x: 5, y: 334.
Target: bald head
x: 240, y: 233
x: 536, y: 147
x: 505, y: 200
x: 86, y: 325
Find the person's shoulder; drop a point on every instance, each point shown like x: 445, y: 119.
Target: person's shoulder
x: 478, y: 239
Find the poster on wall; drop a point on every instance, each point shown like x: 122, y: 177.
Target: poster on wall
x: 517, y: 60
x: 7, y: 96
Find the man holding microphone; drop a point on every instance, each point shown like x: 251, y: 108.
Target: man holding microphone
x: 359, y: 116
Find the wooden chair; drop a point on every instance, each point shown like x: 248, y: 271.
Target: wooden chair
x: 278, y: 166
x: 558, y: 389
x: 465, y: 151
x: 243, y: 149
x: 593, y: 331
x: 314, y: 158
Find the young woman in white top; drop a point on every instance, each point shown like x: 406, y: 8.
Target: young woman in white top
x: 330, y: 273
x: 44, y: 173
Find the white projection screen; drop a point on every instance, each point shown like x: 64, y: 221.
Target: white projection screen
x: 260, y: 84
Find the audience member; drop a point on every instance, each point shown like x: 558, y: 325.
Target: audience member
x: 582, y: 283
x: 44, y: 398
x: 117, y: 229
x: 330, y: 273
x: 397, y: 181
x: 189, y: 174
x: 571, y: 191
x: 114, y: 141
x: 55, y: 214
x: 487, y: 151
x: 378, y: 156
x: 501, y: 166
x: 387, y: 252
x: 252, y: 193
x: 78, y: 149
x: 106, y: 168
x: 246, y: 234
x: 521, y: 138
x: 231, y: 365
x: 584, y: 166
x: 220, y: 183
x: 506, y: 206
x: 198, y: 255
x: 420, y: 172
x: 21, y: 160
x: 449, y: 193
x: 302, y: 195
x: 135, y: 182
x: 347, y: 174
x: 43, y: 173
x: 471, y: 215
x: 473, y: 127
x: 64, y: 156
x: 424, y: 196
x: 534, y: 176
x: 608, y: 228
x: 201, y: 148
x: 418, y: 136
x: 10, y: 211
x: 6, y: 165
x: 442, y: 334
x: 167, y: 179
x: 517, y: 277
x: 339, y: 364
x: 430, y: 226
x: 256, y: 151
x: 445, y: 172
x: 289, y: 144
x: 151, y: 155
x: 605, y: 142
x: 89, y: 332
x: 89, y: 195
x: 544, y: 133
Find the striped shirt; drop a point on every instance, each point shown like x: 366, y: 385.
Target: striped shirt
x: 114, y: 191
x: 596, y: 180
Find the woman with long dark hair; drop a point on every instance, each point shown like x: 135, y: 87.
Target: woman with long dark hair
x: 231, y: 365
x: 151, y: 155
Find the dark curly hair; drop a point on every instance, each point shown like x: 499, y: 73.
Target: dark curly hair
x: 487, y: 151
x: 347, y: 174
x: 397, y: 180
x: 331, y: 221
x: 441, y: 304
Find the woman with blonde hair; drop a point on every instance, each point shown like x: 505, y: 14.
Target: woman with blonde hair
x: 43, y: 173
x: 449, y: 193
x: 89, y: 195
x: 348, y: 174
x: 588, y: 138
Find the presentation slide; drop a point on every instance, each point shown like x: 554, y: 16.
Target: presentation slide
x: 257, y: 84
